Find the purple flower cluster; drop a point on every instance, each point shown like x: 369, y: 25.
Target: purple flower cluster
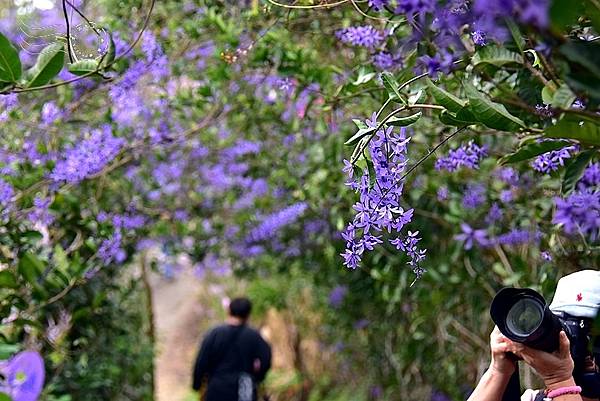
x: 384, y: 61
x: 379, y: 208
x: 23, y: 376
x: 474, y: 196
x: 337, y: 296
x: 87, y: 157
x: 591, y: 176
x: 272, y: 223
x: 41, y: 211
x: 518, y: 237
x: 579, y: 213
x: 468, y: 156
x: 472, y: 236
x: 378, y: 5
x: 553, y: 160
x: 6, y: 193
x: 111, y: 251
x: 365, y: 36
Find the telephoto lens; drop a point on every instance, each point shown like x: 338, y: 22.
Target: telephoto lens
x: 523, y: 316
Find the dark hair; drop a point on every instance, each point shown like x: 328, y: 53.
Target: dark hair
x: 240, y: 307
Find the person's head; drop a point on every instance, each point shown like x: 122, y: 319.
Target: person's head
x: 240, y: 308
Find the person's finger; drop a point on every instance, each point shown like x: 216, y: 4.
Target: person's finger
x: 564, y: 349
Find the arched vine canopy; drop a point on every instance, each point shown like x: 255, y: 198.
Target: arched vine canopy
x: 404, y: 159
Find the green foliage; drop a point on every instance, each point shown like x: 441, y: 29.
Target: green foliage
x: 10, y: 64
x: 49, y: 63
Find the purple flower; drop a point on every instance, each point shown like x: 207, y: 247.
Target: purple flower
x: 472, y: 236
x: 494, y: 214
x: 337, y: 295
x: 591, y: 176
x: 378, y: 209
x: 87, y: 157
x: 41, y: 213
x: 474, y: 196
x: 468, y: 156
x: 544, y: 110
x: 271, y: 224
x: 479, y: 37
x: 361, y: 324
x: 518, y: 236
x: 378, y: 4
x: 50, y: 113
x: 579, y: 213
x: 365, y: 36
x: 384, y: 61
x: 6, y: 193
x: 110, y: 250
x: 546, y: 256
x: 442, y: 194
x: 24, y: 376
x: 506, y: 196
x: 439, y: 396
x: 508, y: 175
x: 553, y: 160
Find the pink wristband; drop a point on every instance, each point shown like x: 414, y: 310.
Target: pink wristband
x: 564, y: 390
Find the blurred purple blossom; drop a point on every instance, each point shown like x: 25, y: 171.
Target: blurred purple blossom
x: 337, y: 296
x: 472, y: 236
x: 87, y: 157
x: 468, y: 156
x: 579, y: 213
x: 365, y: 36
x: 474, y: 196
x: 24, y: 376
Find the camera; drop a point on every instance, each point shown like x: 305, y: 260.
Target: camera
x: 523, y: 316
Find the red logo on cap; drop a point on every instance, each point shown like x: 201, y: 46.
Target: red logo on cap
x: 579, y: 297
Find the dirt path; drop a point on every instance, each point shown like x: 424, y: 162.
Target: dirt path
x: 179, y: 317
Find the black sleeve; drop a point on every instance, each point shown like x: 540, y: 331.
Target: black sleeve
x: 264, y: 355
x: 202, y: 366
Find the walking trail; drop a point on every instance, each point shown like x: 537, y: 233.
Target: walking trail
x: 179, y: 319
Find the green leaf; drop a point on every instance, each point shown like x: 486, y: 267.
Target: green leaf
x: 516, y: 34
x: 48, y: 65
x: 404, y: 121
x: 84, y: 67
x: 391, y: 85
x: 444, y: 98
x: 575, y: 170
x: 532, y: 150
x: 30, y: 267
x: 10, y: 64
x: 490, y: 114
x: 110, y: 53
x: 8, y: 280
x: 548, y: 92
x: 582, y: 129
x: 453, y: 119
x: 360, y: 124
x: 364, y: 76
x: 563, y: 97
x: 5, y: 397
x: 564, y: 13
x: 8, y: 350
x: 363, y: 132
x: 495, y: 55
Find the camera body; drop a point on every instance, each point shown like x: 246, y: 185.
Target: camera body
x: 523, y: 316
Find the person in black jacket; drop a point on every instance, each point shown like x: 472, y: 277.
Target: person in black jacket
x: 233, y: 358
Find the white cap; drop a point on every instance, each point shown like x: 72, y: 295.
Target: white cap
x: 578, y: 294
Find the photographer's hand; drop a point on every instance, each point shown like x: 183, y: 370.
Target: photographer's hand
x: 502, y: 362
x: 556, y: 369
x: 494, y: 381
